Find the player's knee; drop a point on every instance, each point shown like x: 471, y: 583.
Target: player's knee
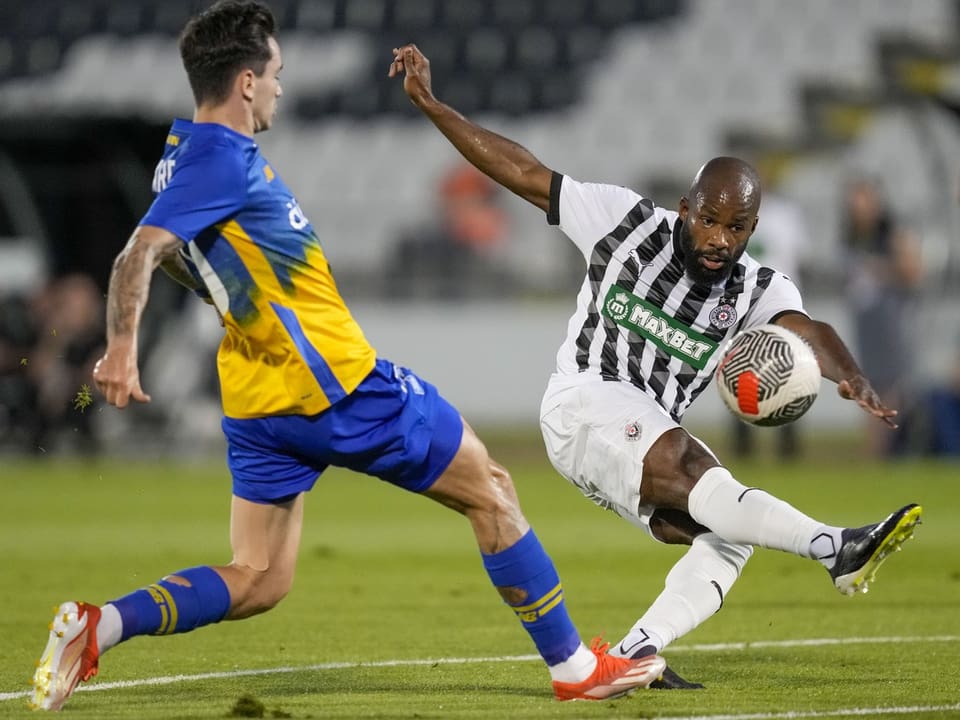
x: 256, y: 591
x: 671, y: 468
x: 674, y: 527
x: 271, y: 589
x: 482, y: 490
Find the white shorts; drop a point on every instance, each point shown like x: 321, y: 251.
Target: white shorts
x: 597, y: 434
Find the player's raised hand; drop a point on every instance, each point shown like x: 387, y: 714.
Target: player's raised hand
x: 861, y: 391
x: 117, y: 377
x: 416, y: 70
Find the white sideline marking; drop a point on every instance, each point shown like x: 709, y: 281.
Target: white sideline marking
x: 714, y: 647
x: 843, y: 712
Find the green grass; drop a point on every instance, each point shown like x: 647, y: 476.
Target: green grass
x: 386, y: 576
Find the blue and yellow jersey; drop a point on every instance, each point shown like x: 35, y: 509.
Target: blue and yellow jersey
x: 291, y: 345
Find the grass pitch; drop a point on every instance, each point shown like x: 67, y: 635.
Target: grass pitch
x: 392, y: 616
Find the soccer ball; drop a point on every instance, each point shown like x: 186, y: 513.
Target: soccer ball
x: 768, y: 376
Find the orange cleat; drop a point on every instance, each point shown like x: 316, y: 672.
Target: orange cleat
x: 71, y: 655
x: 613, y: 676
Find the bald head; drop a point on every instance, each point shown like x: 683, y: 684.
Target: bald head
x: 727, y: 180
x: 718, y: 218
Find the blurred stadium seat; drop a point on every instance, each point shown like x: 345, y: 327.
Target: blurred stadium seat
x: 635, y: 92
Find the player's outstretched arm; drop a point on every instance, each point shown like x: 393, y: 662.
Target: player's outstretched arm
x: 506, y: 162
x: 837, y: 364
x: 116, y: 374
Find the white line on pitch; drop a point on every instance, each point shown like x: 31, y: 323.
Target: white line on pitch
x: 841, y: 712
x: 714, y: 647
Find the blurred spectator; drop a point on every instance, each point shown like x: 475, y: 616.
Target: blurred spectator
x: 456, y: 257
x: 48, y: 344
x: 944, y: 410
x: 777, y: 242
x: 944, y: 403
x: 883, y: 275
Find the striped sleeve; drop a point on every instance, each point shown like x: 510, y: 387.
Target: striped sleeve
x: 587, y: 212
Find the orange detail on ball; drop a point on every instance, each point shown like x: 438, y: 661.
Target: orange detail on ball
x: 748, y: 393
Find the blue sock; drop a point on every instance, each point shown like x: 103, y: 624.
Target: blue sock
x: 167, y: 607
x: 526, y: 573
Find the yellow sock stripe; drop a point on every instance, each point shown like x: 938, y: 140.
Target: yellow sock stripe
x: 168, y: 609
x: 534, y: 611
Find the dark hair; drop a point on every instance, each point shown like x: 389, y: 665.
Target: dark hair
x: 223, y: 40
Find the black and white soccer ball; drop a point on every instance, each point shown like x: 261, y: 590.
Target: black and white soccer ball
x: 768, y: 376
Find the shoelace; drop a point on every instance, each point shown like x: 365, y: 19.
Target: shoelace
x: 598, y: 646
x: 606, y: 664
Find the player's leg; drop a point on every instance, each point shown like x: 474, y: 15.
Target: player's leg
x: 397, y: 427
x: 266, y: 522
x: 265, y: 538
x: 694, y: 589
x: 597, y: 436
x: 524, y: 575
x: 680, y: 473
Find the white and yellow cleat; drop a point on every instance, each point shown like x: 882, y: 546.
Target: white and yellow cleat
x: 71, y: 655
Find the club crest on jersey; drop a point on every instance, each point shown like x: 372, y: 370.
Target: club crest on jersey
x: 723, y: 316
x: 632, y: 431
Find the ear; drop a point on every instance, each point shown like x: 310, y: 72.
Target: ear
x: 246, y: 81
x: 683, y: 208
x: 755, y: 221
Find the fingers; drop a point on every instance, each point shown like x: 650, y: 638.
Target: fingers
x: 119, y: 396
x: 882, y: 412
x: 138, y: 394
x: 396, y: 67
x: 117, y: 389
x: 867, y: 399
x: 405, y: 59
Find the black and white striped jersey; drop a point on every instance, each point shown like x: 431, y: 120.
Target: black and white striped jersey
x: 639, y: 318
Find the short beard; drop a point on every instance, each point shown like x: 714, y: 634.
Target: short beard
x: 695, y: 270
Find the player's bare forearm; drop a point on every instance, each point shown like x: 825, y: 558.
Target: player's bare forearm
x: 837, y: 364
x: 505, y: 161
x: 130, y: 282
x: 836, y: 361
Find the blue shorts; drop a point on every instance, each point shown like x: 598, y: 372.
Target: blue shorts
x: 394, y: 426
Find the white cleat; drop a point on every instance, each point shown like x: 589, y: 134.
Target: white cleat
x: 71, y: 655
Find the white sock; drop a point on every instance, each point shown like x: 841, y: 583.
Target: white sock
x: 693, y: 591
x: 576, y: 668
x: 109, y: 629
x: 751, y: 516
x: 826, y: 544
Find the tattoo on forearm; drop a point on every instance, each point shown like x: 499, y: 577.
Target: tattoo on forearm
x: 129, y: 289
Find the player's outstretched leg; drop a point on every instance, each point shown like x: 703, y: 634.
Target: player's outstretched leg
x: 525, y: 577
x: 751, y: 515
x: 864, y: 549
x: 529, y: 584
